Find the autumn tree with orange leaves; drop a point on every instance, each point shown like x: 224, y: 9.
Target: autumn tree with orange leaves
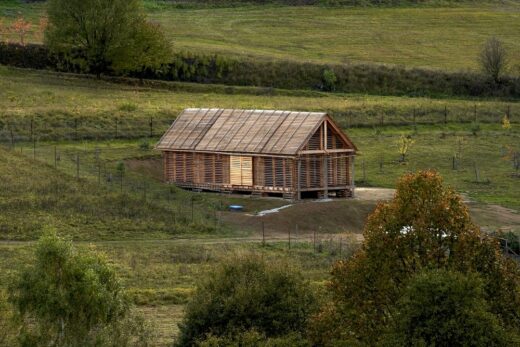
x: 425, y: 226
x: 21, y: 27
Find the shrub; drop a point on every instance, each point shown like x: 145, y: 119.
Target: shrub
x: 360, y: 78
x: 67, y: 298
x: 247, y: 293
x: 445, y: 308
x: 329, y: 79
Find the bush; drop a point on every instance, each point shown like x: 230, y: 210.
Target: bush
x: 252, y: 338
x: 356, y: 78
x: 445, y: 308
x: 246, y: 293
x: 70, y: 298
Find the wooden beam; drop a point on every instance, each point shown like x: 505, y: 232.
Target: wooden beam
x: 339, y: 150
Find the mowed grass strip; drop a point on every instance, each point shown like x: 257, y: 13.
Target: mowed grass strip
x: 439, y: 37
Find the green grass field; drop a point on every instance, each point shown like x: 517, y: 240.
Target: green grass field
x: 438, y: 37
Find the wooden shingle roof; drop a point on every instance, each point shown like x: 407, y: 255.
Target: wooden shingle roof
x: 241, y: 131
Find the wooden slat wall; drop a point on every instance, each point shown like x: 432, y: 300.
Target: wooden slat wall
x: 241, y: 170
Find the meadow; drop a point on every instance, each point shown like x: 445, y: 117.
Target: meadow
x: 76, y: 153
x: 447, y: 38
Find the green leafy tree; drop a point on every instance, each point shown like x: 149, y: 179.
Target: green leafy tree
x: 425, y: 226
x: 67, y: 298
x: 104, y: 35
x: 148, y: 49
x: 247, y: 293
x: 445, y: 308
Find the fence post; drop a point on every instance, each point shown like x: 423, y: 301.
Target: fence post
x: 414, y: 115
x: 76, y: 129
x: 99, y: 174
x: 55, y: 158
x: 340, y: 245
x: 34, y: 149
x: 32, y: 134
x: 192, y: 209
x: 314, y: 241
x: 445, y: 114
x: 12, y: 137
x: 151, y: 126
x: 117, y: 122
x: 475, y: 113
x: 77, y: 166
x: 364, y: 170
x: 263, y: 234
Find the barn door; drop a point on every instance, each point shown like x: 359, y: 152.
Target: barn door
x: 241, y: 170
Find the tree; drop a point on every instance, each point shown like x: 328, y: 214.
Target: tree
x: 445, y: 308
x: 329, y: 79
x: 425, y: 226
x: 493, y: 58
x: 403, y: 145
x: 149, y: 49
x: 67, y: 298
x: 21, y: 27
x: 247, y: 293
x: 104, y: 35
x: 506, y: 124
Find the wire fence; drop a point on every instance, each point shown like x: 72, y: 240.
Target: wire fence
x: 64, y: 127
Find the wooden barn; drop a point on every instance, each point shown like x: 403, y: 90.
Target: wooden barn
x: 291, y: 154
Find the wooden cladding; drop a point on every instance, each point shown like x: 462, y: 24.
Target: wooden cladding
x: 274, y: 172
x: 241, y: 170
x: 184, y: 167
x: 319, y: 171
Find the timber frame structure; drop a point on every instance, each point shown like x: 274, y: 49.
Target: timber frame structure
x: 285, y: 153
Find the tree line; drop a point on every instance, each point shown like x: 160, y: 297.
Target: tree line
x: 116, y: 38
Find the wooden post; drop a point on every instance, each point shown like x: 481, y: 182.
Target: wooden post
x: 151, y: 126
x: 32, y: 133
x: 477, y: 173
x: 352, y: 178
x: 263, y: 234
x: 192, y: 209
x: 117, y: 122
x: 340, y: 245
x: 325, y: 177
x: 55, y: 158
x: 445, y: 114
x: 77, y: 166
x: 475, y: 113
x: 314, y: 241
x: 12, y: 137
x: 298, y: 188
x: 99, y: 174
x: 34, y: 149
x: 75, y: 129
x: 364, y: 170
x: 414, y: 123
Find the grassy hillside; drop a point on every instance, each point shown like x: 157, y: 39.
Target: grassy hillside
x: 54, y: 101
x: 438, y: 37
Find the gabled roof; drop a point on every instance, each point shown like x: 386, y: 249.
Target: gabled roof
x: 244, y: 131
